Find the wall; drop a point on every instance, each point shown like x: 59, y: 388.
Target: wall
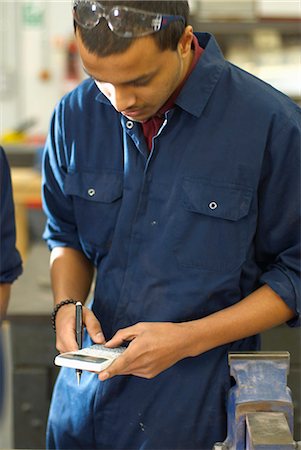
x: 33, y: 36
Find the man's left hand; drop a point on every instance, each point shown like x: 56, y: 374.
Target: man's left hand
x: 154, y: 347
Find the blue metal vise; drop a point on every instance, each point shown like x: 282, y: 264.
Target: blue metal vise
x: 260, y: 407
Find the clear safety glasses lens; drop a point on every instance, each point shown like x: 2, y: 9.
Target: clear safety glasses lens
x: 122, y: 20
x: 87, y: 14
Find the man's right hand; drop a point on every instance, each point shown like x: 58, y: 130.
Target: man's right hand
x: 65, y: 328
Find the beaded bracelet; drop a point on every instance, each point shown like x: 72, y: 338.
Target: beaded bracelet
x: 57, y: 307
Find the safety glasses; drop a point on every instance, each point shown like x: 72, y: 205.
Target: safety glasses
x: 122, y: 20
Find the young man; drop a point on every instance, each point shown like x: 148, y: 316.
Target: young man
x: 176, y: 176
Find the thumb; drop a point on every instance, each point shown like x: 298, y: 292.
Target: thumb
x: 93, y: 327
x: 122, y: 335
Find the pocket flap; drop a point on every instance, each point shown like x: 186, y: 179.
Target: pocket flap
x: 225, y: 201
x: 103, y: 187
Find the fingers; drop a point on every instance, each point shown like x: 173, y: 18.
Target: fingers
x: 121, y: 365
x: 93, y: 326
x: 125, y: 335
x: 65, y: 328
x: 118, y: 367
x: 131, y: 361
x: 128, y: 364
x: 154, y: 347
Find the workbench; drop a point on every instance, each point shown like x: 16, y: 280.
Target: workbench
x: 26, y: 184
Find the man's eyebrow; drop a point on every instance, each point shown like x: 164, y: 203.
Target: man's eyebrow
x: 145, y: 77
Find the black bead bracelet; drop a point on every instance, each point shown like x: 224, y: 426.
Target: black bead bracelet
x: 57, y: 307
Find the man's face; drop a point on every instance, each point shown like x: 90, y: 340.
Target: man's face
x: 140, y: 80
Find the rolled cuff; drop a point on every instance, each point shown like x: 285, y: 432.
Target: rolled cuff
x: 10, y: 275
x: 288, y: 288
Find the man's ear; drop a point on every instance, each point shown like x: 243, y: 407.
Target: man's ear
x: 184, y: 45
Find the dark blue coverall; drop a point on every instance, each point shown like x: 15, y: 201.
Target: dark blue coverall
x: 190, y: 228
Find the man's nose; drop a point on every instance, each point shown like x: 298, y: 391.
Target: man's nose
x: 122, y: 98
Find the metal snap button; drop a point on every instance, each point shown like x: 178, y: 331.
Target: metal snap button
x: 129, y: 124
x: 153, y: 223
x: 91, y: 192
x: 213, y: 205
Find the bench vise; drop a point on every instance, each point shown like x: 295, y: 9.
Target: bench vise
x: 260, y: 410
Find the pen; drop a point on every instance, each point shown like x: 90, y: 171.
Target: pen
x: 79, y: 333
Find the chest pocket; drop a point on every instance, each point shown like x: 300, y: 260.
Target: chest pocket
x: 96, y: 199
x: 213, y: 225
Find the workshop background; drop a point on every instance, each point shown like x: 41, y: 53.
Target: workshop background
x: 38, y: 64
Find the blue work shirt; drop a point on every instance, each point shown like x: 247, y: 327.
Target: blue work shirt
x: 178, y: 233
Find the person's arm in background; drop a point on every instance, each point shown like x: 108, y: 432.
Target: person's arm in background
x: 10, y: 260
x: 4, y: 299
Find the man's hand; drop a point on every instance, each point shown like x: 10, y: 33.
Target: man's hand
x: 154, y: 347
x: 65, y: 328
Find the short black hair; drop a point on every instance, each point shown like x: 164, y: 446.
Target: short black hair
x: 103, y: 42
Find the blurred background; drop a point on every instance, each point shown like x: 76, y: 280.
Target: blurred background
x: 38, y: 64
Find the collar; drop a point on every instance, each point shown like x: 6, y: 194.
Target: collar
x: 172, y: 99
x: 202, y: 81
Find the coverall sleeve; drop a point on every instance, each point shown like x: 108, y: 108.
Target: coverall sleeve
x: 60, y: 229
x: 278, y: 233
